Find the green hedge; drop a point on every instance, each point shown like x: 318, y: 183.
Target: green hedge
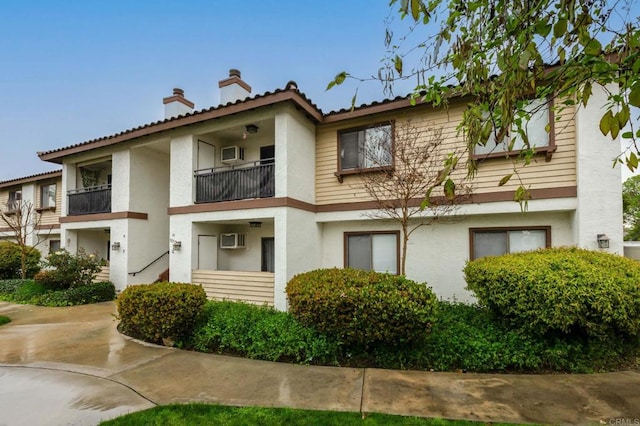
x: 261, y: 332
x: 561, y: 290
x: 81, y: 295
x: 35, y: 293
x: 362, y: 308
x: 152, y: 312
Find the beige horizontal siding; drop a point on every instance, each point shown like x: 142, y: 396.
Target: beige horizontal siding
x: 559, y: 172
x: 49, y: 217
x: 4, y: 199
x: 250, y: 287
x: 103, y: 275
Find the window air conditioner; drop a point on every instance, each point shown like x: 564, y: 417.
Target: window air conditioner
x: 231, y: 241
x: 231, y: 154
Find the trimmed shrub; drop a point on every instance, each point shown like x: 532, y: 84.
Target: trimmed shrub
x: 362, y: 308
x: 69, y: 270
x: 152, y: 312
x: 4, y: 320
x: 81, y: 295
x: 10, y: 260
x: 561, y: 290
x: 261, y: 332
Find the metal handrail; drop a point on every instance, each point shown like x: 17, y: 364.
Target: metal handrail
x: 89, y: 189
x: 227, y: 167
x: 150, y: 263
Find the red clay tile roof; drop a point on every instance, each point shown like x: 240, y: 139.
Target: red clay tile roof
x: 31, y: 178
x: 289, y: 94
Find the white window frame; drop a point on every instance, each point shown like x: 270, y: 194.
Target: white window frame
x: 47, y: 205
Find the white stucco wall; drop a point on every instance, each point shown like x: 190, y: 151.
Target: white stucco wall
x: 295, y: 156
x: 148, y: 239
x: 121, y: 181
x: 298, y: 244
x: 248, y: 258
x: 92, y: 236
x: 183, y: 163
x: 437, y: 253
x: 599, y: 209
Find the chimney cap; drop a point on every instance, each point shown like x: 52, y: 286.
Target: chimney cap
x: 291, y: 85
x: 178, y: 91
x: 233, y: 72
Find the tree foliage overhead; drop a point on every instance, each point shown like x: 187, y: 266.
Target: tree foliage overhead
x: 501, y: 52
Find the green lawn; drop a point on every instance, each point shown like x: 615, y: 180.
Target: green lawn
x: 4, y: 320
x: 202, y: 414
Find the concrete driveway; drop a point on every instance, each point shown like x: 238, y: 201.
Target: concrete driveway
x: 71, y: 366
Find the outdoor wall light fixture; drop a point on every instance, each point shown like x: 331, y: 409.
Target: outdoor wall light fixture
x: 251, y: 128
x: 255, y: 224
x: 603, y: 241
x: 115, y: 246
x: 176, y: 245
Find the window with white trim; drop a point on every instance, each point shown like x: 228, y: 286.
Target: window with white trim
x: 499, y: 241
x: 15, y: 196
x: 537, y: 128
x: 372, y: 251
x: 48, y: 196
x: 366, y: 148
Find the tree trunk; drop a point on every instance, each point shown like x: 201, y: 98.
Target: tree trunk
x: 23, y: 262
x: 405, y: 240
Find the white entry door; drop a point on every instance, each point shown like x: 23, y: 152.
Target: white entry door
x: 208, y: 252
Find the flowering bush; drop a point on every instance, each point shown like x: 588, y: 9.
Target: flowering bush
x: 65, y: 270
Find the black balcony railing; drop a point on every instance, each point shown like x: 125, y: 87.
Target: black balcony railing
x: 236, y: 183
x: 96, y: 199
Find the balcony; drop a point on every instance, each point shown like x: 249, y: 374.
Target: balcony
x: 94, y: 199
x: 238, y: 182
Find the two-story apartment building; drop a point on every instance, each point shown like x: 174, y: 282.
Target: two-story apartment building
x: 242, y: 196
x: 33, y: 203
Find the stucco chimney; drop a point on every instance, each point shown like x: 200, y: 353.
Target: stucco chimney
x: 177, y: 104
x: 233, y: 89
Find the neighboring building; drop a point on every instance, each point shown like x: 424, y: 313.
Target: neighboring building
x: 41, y: 196
x: 242, y: 196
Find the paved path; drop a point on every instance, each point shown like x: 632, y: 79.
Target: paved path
x: 71, y: 366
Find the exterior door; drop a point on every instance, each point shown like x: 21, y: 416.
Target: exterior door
x: 208, y: 252
x: 268, y: 255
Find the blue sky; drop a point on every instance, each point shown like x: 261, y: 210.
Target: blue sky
x: 76, y: 70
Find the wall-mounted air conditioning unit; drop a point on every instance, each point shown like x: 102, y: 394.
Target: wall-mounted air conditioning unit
x: 231, y: 241
x: 231, y: 154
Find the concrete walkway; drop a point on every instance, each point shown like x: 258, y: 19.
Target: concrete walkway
x: 71, y: 366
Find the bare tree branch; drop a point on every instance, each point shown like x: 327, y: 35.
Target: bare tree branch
x: 416, y: 172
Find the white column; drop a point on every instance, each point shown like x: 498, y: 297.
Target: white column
x: 599, y: 208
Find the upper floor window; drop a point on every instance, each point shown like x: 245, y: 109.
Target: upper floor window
x: 538, y: 128
x: 365, y: 148
x: 499, y: 241
x: 15, y: 196
x: 48, y: 196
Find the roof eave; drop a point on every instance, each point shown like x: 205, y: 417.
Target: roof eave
x: 189, y: 119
